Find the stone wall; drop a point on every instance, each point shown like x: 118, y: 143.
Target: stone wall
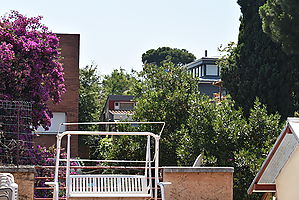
x: 24, y: 177
x: 198, y: 183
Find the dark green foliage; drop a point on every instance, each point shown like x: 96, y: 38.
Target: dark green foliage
x: 258, y: 67
x: 167, y: 54
x: 281, y: 21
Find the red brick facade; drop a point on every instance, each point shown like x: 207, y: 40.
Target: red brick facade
x: 69, y: 44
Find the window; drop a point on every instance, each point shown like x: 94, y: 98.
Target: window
x: 58, y: 118
x: 124, y: 105
x: 127, y: 106
x: 212, y: 70
x: 116, y: 106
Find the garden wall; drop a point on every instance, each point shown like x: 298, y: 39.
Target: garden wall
x: 198, y: 183
x: 110, y: 198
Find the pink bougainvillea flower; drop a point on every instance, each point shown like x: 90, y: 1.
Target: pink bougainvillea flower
x: 30, y: 68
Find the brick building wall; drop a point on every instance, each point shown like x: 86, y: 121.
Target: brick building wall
x: 69, y: 44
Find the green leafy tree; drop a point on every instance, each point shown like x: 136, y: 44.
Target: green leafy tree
x: 167, y: 54
x: 226, y: 138
x: 162, y: 94
x: 257, y: 67
x: 281, y: 21
x: 94, y: 90
x: 194, y: 125
x: 119, y: 82
x: 90, y: 94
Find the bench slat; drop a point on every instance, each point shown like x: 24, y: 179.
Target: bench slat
x: 108, y: 186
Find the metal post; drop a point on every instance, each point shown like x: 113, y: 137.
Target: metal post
x: 146, y: 160
x: 150, y: 166
x: 56, y: 187
x: 157, y: 138
x: 68, y: 164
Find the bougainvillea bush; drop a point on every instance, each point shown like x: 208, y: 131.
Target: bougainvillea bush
x: 30, y: 68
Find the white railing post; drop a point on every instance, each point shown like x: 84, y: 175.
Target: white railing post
x: 56, y: 185
x: 157, y: 138
x: 68, y: 164
x: 149, y: 168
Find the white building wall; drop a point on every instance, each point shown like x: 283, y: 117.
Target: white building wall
x: 287, y: 182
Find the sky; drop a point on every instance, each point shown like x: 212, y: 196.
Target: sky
x: 115, y: 33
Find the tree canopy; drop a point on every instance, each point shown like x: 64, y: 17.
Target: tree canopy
x: 257, y: 67
x: 195, y: 124
x: 90, y: 94
x: 225, y: 137
x: 167, y: 54
x: 281, y: 21
x: 30, y: 68
x: 164, y: 94
x: 95, y: 88
x: 119, y: 82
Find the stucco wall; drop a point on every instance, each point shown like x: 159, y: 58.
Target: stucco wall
x: 287, y: 181
x: 24, y: 177
x: 198, y: 183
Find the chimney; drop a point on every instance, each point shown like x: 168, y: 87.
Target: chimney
x: 206, y: 53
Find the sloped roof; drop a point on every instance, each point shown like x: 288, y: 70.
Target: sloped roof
x: 121, y: 97
x: 203, y: 60
x: 284, y: 146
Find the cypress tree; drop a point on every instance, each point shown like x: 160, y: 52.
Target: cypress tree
x: 260, y: 67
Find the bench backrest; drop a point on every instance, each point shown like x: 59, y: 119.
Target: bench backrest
x: 108, y: 185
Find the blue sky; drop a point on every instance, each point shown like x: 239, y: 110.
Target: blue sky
x: 115, y: 33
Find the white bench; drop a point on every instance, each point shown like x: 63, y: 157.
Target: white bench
x: 108, y: 186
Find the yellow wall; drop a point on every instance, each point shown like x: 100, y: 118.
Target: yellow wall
x: 287, y: 182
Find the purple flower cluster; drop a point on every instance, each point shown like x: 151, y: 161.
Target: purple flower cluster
x: 30, y: 68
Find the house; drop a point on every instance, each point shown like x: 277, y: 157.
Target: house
x: 67, y: 110
x: 208, y: 73
x: 118, y: 107
x: 279, y: 173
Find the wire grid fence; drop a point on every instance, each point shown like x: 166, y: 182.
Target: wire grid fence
x: 16, y: 138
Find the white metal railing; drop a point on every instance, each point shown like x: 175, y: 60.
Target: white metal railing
x: 112, y: 185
